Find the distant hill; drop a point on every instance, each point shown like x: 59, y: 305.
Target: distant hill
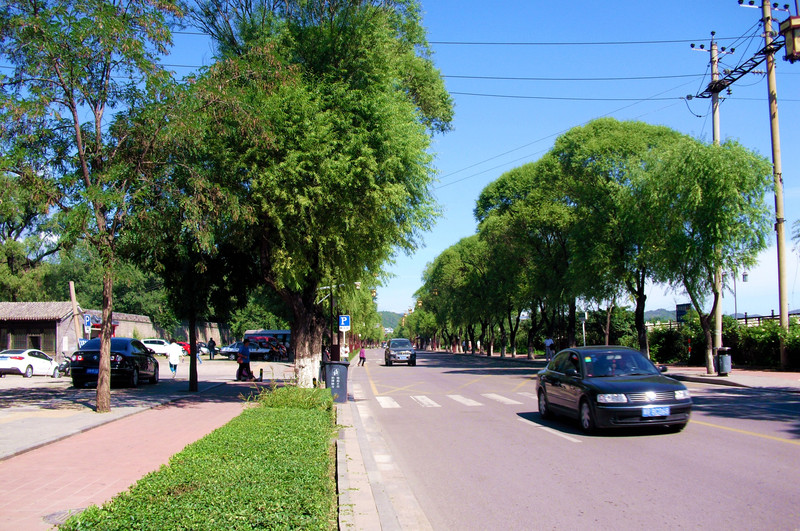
x: 659, y: 315
x: 390, y: 319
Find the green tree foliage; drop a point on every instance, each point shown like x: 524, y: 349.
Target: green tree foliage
x: 74, y: 63
x: 323, y: 112
x: 611, y: 238
x: 707, y: 210
x: 27, y: 237
x: 136, y: 290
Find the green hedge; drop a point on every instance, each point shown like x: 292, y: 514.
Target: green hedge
x: 272, y: 467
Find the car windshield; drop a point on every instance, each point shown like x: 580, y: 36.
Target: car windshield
x: 400, y: 343
x: 117, y: 344
x: 618, y: 363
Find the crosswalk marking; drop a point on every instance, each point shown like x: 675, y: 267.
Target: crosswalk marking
x: 424, y: 401
x: 387, y: 402
x: 464, y: 400
x: 500, y: 398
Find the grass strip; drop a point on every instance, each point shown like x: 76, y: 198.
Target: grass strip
x: 272, y: 467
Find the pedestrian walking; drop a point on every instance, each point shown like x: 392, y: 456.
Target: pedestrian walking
x: 212, y: 346
x: 548, y: 348
x: 244, y: 372
x: 175, y: 353
x: 199, y: 360
x: 362, y: 356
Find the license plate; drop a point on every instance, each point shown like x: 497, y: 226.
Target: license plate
x: 92, y: 371
x: 655, y: 411
x: 402, y: 358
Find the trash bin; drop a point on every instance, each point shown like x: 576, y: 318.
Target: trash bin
x: 336, y: 379
x: 723, y: 361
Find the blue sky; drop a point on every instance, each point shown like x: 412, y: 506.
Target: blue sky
x: 503, y: 123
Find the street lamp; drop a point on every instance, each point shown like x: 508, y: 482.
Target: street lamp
x: 790, y: 28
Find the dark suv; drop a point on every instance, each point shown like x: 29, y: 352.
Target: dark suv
x: 130, y: 361
x: 400, y: 350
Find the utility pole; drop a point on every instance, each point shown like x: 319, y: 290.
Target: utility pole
x: 780, y: 228
x: 714, y: 88
x: 718, y: 274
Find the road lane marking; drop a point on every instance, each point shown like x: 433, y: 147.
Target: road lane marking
x: 532, y: 396
x: 745, y: 432
x: 424, y: 401
x: 525, y: 381
x: 387, y: 402
x: 549, y: 430
x: 464, y: 400
x: 501, y: 399
x: 478, y: 379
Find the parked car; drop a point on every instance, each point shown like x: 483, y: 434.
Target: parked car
x: 186, y: 346
x: 611, y: 386
x: 400, y: 350
x: 28, y: 362
x: 131, y: 361
x: 231, y: 351
x: 159, y: 346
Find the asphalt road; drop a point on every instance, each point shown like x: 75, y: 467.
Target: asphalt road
x: 475, y: 454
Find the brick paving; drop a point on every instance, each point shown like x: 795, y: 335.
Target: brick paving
x: 40, y: 487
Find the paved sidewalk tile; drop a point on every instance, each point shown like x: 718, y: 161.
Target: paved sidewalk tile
x: 40, y: 487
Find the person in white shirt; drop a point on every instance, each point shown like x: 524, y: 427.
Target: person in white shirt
x: 175, y: 355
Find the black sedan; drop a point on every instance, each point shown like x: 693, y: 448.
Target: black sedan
x: 130, y: 361
x: 400, y: 350
x: 613, y: 386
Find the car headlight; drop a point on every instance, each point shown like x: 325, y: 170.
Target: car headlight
x: 611, y: 398
x: 683, y: 394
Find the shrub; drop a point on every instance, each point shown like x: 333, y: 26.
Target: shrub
x: 667, y: 345
x: 272, y: 467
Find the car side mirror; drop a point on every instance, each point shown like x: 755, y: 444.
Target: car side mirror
x: 662, y: 368
x: 572, y: 373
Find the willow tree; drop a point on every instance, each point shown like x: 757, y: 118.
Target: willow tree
x: 326, y: 121
x: 707, y: 210
x: 79, y: 67
x: 610, y: 240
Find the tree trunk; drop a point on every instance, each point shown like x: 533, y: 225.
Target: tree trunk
x: 572, y: 323
x: 103, y: 396
x: 193, y: 352
x: 307, y: 329
x: 502, y: 339
x: 607, y: 329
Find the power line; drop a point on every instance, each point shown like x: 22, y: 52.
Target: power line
x: 559, y: 98
x: 551, y: 43
x: 513, y: 78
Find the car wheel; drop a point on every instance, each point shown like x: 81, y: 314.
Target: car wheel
x: 587, y: 417
x: 544, y: 407
x: 28, y: 371
x: 134, y: 381
x: 388, y: 363
x: 56, y: 373
x: 154, y: 379
x: 77, y: 383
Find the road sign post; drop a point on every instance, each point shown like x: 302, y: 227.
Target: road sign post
x: 344, y: 326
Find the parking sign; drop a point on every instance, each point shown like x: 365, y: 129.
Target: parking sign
x: 344, y: 323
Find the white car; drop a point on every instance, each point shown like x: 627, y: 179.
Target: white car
x: 159, y: 346
x: 28, y: 362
